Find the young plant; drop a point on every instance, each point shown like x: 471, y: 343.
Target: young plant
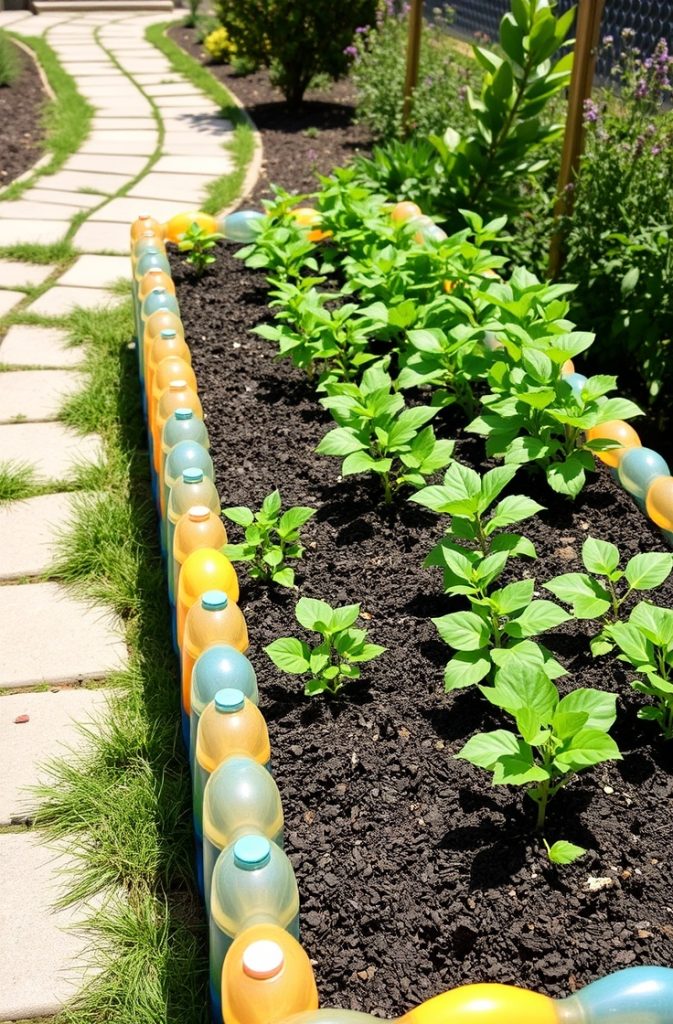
x: 603, y: 598
x: 199, y: 243
x: 271, y: 537
x: 336, y: 659
x: 563, y: 852
x: 646, y: 642
x: 378, y: 434
x: 533, y: 414
x: 555, y: 737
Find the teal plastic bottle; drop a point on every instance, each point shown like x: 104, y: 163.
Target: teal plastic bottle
x: 184, y: 455
x: 157, y: 299
x: 240, y: 226
x: 240, y: 797
x: 193, y: 488
x: 253, y: 883
x: 219, y: 667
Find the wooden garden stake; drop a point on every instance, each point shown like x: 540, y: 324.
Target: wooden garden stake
x: 413, y: 55
x: 589, y: 15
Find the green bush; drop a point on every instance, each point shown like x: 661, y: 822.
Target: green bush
x: 379, y: 64
x: 620, y: 236
x: 9, y: 60
x: 296, y: 39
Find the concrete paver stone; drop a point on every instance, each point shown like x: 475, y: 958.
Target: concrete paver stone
x: 96, y: 271
x: 180, y: 187
x: 125, y: 210
x: 77, y: 200
x: 49, y: 636
x: 73, y: 181
x: 39, y: 346
x: 36, y: 395
x: 60, y: 300
x: 123, y: 165
x: 22, y: 275
x: 36, y: 232
x: 102, y: 237
x: 50, y: 732
x: 30, y: 529
x: 52, y: 449
x: 198, y: 164
x: 9, y: 299
x: 100, y: 147
x: 24, y: 209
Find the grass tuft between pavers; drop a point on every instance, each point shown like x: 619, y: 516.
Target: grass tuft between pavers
x: 122, y: 809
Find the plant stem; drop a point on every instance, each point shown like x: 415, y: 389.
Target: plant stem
x: 542, y: 806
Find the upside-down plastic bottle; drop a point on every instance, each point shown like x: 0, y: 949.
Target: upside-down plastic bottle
x: 149, y: 239
x: 169, y: 342
x: 230, y: 725
x: 214, y: 618
x: 253, y: 883
x: 266, y: 977
x: 154, y: 277
x: 240, y: 797
x: 220, y: 667
x: 184, y: 455
x: 170, y: 368
x: 205, y: 569
x: 636, y: 995
x: 179, y: 394
x: 158, y: 299
x: 145, y: 222
x: 197, y: 528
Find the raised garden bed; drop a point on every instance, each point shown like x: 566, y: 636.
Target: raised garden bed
x: 20, y: 116
x: 415, y: 875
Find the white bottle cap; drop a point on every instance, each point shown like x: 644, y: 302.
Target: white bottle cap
x: 263, y: 959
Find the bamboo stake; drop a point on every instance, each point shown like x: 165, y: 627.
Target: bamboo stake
x: 589, y: 15
x: 413, y: 55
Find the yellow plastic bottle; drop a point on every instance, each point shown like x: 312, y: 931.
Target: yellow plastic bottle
x: 168, y: 343
x: 180, y: 394
x: 155, y: 277
x: 161, y: 320
x: 199, y: 527
x: 171, y: 368
x: 214, y: 618
x: 484, y: 1004
x: 266, y: 977
x: 205, y: 569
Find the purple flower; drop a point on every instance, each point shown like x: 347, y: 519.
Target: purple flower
x: 640, y: 91
x: 590, y: 112
x: 656, y: 150
x: 351, y: 51
x: 362, y: 30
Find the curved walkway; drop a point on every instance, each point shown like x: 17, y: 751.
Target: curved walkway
x: 156, y: 142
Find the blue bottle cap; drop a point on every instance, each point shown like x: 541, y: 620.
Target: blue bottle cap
x: 183, y: 414
x: 229, y: 700
x: 252, y: 852
x: 193, y: 475
x: 214, y: 600
x: 168, y: 332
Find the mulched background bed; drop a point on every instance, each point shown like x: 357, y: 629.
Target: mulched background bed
x: 291, y: 157
x: 20, y: 116
x: 414, y: 874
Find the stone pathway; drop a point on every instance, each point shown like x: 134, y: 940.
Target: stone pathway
x: 155, y: 142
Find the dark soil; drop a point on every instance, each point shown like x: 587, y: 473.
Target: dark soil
x: 415, y: 875
x: 298, y: 143
x: 20, y: 116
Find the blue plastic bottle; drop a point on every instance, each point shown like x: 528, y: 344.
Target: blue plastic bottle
x: 253, y: 883
x: 219, y: 667
x: 240, y: 226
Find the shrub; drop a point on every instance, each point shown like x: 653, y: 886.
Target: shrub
x: 219, y: 46
x: 620, y: 236
x: 9, y: 61
x: 379, y: 63
x: 296, y: 39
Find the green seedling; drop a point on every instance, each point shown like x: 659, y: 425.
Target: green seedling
x: 646, y: 643
x: 602, y: 599
x: 271, y: 537
x: 378, y: 434
x: 555, y: 737
x: 199, y: 244
x: 563, y: 852
x: 333, y: 662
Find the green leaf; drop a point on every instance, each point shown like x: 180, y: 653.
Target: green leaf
x: 362, y: 462
x: 271, y: 504
x: 290, y: 655
x: 273, y: 557
x: 238, y: 552
x: 586, y: 748
x: 315, y: 686
x: 528, y: 688
x: 293, y: 519
x: 283, y: 577
x: 656, y: 623
x: 647, y: 571
x: 485, y: 749
x: 465, y: 669
x: 567, y: 477
x: 313, y: 614
x: 518, y: 769
x: 463, y: 631
x: 632, y: 642
x: 239, y: 514
x: 368, y: 652
x: 599, y: 556
x: 599, y: 707
x: 340, y: 441
x: 513, y: 597
x: 617, y: 409
x: 493, y: 483
x: 344, y: 617
x: 567, y: 723
x: 512, y: 509
x: 536, y: 618
x: 531, y: 727
x: 320, y: 660
x: 587, y: 597
x: 563, y: 852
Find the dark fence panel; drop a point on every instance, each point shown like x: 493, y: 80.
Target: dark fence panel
x: 651, y: 20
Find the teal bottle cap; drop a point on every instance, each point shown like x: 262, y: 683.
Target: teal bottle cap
x: 229, y: 700
x: 252, y: 852
x: 168, y: 332
x: 193, y: 475
x: 214, y: 600
x: 158, y: 291
x: 182, y: 414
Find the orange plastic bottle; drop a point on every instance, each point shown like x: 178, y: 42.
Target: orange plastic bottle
x: 168, y: 343
x: 266, y: 977
x: 214, y: 618
x: 179, y: 394
x: 618, y: 431
x: 198, y: 528
x: 161, y: 320
x: 155, y: 277
x: 145, y: 222
x: 205, y: 569
x: 172, y: 367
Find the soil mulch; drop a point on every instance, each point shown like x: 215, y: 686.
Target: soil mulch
x: 20, y: 116
x: 415, y: 875
x: 298, y: 143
